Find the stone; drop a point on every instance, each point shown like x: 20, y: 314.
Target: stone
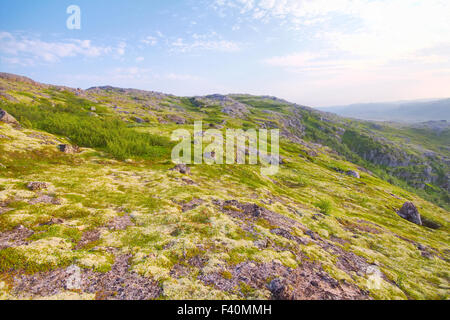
x: 138, y: 120
x: 353, y: 173
x: 410, y: 213
x: 277, y: 288
x: 35, y: 185
x: 182, y: 168
x: 69, y: 149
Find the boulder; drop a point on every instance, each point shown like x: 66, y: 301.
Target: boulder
x: 69, y: 149
x: 35, y: 185
x: 7, y: 118
x: 353, y: 173
x: 410, y: 213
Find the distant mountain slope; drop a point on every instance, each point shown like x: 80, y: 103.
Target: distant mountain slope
x: 406, y: 111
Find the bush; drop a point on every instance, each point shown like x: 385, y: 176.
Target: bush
x: 325, y: 206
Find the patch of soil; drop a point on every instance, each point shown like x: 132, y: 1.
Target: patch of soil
x: 117, y: 284
x: 15, y: 238
x: 45, y: 199
x: 361, y: 225
x: 307, y: 282
x: 120, y: 223
x: 179, y: 271
x: 191, y: 205
x: 248, y: 213
x: 87, y: 238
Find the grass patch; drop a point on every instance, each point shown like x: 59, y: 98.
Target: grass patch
x: 325, y: 206
x: 107, y: 133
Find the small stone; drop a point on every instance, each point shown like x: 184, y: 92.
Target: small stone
x: 353, y: 173
x: 182, y: 168
x: 277, y: 287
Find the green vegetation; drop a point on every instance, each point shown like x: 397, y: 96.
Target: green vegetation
x: 177, y: 229
x: 107, y: 133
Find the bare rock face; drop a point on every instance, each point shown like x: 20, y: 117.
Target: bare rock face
x: 7, y: 118
x: 66, y: 148
x: 410, y: 213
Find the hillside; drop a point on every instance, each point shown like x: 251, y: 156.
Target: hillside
x: 92, y: 208
x: 407, y: 112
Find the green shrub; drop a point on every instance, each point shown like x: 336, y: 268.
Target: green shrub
x: 325, y: 206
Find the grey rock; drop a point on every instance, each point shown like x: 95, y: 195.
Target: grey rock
x: 410, y: 213
x: 35, y: 185
x: 182, y: 168
x: 69, y: 149
x: 353, y: 173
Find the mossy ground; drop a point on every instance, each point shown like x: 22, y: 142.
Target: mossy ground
x: 94, y: 188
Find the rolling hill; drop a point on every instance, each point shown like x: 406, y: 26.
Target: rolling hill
x: 92, y: 207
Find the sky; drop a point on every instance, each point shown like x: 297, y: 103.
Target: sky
x: 312, y: 52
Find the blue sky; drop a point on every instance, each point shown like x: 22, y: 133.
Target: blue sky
x: 312, y: 52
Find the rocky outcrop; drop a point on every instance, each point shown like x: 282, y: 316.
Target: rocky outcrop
x: 410, y: 213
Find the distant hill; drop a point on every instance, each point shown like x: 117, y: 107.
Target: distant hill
x: 404, y: 111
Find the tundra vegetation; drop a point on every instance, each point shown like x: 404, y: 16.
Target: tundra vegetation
x: 113, y: 218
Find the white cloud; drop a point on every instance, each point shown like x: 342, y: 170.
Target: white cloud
x: 181, y: 77
x: 150, y: 41
x: 121, y: 48
x: 204, y: 42
x: 382, y: 29
x: 26, y: 51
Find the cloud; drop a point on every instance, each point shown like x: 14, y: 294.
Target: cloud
x: 27, y: 51
x: 181, y: 77
x: 150, y: 41
x: 382, y: 29
x: 121, y: 48
x: 204, y: 42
